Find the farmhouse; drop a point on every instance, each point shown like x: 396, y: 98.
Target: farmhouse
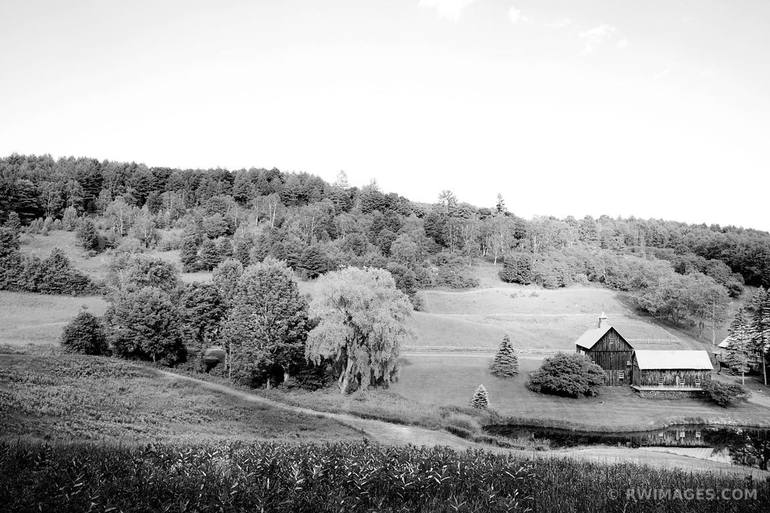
x: 609, y: 350
x: 677, y: 370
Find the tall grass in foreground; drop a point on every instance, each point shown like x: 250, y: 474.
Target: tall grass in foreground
x: 334, y: 477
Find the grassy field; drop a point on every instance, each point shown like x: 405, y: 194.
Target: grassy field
x: 76, y: 398
x: 39, y: 319
x: 450, y: 380
x: 41, y: 246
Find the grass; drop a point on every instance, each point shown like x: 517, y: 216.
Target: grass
x: 72, y: 397
x: 41, y: 246
x: 39, y: 319
x: 450, y: 379
x: 352, y: 477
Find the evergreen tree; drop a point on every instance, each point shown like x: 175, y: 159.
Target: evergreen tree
x: 70, y: 219
x: 739, y: 349
x: 313, y: 262
x: 480, y: 398
x: 225, y: 248
x: 87, y: 235
x: 506, y: 363
x: 189, y: 254
x: 242, y: 249
x: 13, y: 223
x: 760, y: 328
x: 209, y: 256
x: 85, y: 335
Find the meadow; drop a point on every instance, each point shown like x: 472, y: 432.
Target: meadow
x: 63, y: 397
x: 341, y: 477
x: 27, y: 318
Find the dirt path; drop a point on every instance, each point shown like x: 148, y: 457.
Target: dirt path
x: 395, y: 434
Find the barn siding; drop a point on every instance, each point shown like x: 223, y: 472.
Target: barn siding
x: 613, y: 354
x: 668, y: 377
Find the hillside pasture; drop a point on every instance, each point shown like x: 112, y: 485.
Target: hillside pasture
x: 537, y: 320
x: 39, y: 319
x: 77, y: 398
x: 40, y: 245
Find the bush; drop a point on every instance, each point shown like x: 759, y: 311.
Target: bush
x: 726, y: 394
x: 570, y: 375
x: 480, y: 398
x: 85, y: 335
x: 517, y: 268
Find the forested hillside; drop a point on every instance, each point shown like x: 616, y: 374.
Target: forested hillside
x: 684, y: 273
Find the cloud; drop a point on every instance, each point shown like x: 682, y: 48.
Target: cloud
x: 447, y: 9
x: 559, y: 24
x: 623, y: 43
x: 595, y: 37
x: 516, y: 16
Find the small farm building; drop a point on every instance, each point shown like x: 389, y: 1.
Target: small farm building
x: 685, y: 370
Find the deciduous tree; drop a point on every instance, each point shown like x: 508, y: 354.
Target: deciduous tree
x: 361, y: 326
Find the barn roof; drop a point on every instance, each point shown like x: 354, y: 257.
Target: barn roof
x: 725, y: 343
x: 648, y: 359
x: 592, y: 336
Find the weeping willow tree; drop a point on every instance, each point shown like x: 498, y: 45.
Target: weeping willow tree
x: 362, y: 324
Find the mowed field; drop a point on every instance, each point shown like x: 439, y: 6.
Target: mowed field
x: 449, y: 379
x: 69, y: 398
x: 536, y: 320
x: 39, y: 319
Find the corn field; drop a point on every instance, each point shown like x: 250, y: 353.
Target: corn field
x: 342, y: 477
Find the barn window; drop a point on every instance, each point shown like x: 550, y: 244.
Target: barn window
x: 697, y: 383
x: 621, y: 375
x: 681, y: 434
x: 660, y: 381
x: 697, y: 434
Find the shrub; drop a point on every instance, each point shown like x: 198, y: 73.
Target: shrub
x: 517, y: 268
x: 725, y: 394
x: 570, y: 375
x: 480, y: 398
x: 505, y: 364
x: 85, y: 335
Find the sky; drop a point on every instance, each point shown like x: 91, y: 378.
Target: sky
x: 654, y: 108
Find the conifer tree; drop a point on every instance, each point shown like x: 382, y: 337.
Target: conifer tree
x: 189, y: 254
x: 506, y: 363
x: 738, y: 351
x: 209, y: 257
x: 87, y: 235
x: 480, y: 398
x: 70, y: 219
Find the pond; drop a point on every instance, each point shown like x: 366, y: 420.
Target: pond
x: 745, y: 445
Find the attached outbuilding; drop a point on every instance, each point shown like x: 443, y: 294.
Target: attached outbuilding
x: 609, y: 350
x: 673, y: 370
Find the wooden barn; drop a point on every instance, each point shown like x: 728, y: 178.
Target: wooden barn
x: 609, y: 350
x: 676, y: 370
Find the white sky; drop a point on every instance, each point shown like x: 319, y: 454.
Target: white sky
x: 654, y: 108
